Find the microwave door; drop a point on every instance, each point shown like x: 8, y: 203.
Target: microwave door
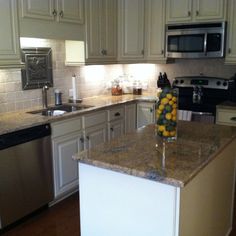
x: 186, y: 45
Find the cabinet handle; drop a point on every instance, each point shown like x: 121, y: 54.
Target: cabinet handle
x: 117, y: 114
x: 233, y: 118
x: 54, y: 12
x: 197, y: 13
x: 111, y: 129
x: 87, y: 137
x: 61, y: 14
x: 229, y: 50
x: 142, y: 52
x: 104, y: 52
x: 189, y: 13
x: 81, y: 140
x: 162, y: 51
x: 151, y: 110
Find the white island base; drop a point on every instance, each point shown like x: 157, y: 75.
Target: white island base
x: 117, y: 204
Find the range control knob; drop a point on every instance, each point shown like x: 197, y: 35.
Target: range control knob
x: 225, y: 83
x: 181, y: 81
x: 176, y: 81
x: 218, y: 83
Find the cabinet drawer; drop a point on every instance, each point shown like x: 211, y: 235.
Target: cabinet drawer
x: 66, y: 126
x: 95, y: 119
x: 226, y: 117
x: 116, y: 113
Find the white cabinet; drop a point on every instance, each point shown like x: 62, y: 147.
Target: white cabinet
x: 66, y: 141
x: 195, y: 10
x: 9, y: 31
x: 116, y: 122
x: 61, y: 10
x: 226, y: 116
x: 141, y: 30
x: 101, y: 31
x: 231, y: 37
x: 130, y: 30
x: 130, y: 117
x: 95, y: 129
x: 145, y: 113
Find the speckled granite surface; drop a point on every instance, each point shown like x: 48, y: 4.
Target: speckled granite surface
x: 13, y: 121
x: 140, y: 153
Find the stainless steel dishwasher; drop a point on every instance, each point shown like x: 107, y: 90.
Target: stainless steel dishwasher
x: 26, y: 177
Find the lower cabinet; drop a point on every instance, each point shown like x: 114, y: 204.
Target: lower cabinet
x: 226, y: 116
x: 130, y: 117
x: 145, y: 113
x: 66, y: 141
x: 116, y: 129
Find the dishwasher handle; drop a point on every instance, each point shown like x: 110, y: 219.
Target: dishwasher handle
x: 24, y: 135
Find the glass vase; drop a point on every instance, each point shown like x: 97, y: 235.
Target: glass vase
x: 167, y: 114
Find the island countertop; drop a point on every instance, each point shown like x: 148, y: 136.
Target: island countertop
x: 141, y: 153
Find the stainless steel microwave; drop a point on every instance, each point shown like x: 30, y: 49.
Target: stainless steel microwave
x: 205, y: 40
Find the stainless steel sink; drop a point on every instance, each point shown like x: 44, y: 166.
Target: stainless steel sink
x: 61, y: 109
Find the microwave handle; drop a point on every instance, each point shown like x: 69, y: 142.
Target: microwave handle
x: 205, y: 44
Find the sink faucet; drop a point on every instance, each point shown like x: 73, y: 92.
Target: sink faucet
x: 44, y: 96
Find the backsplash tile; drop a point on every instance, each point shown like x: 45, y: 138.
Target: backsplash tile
x: 95, y: 80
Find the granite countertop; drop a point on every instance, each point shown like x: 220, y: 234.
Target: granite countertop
x: 13, y: 121
x: 140, y: 153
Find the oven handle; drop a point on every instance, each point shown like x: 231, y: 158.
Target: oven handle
x: 205, y: 44
x: 202, y: 113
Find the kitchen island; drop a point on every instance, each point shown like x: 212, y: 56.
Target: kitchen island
x: 128, y: 187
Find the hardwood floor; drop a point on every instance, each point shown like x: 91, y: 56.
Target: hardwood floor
x: 61, y: 219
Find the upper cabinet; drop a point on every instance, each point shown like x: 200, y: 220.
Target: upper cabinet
x: 231, y: 37
x: 101, y: 31
x: 9, y: 34
x: 52, y: 19
x: 141, y: 30
x: 61, y: 10
x: 195, y: 10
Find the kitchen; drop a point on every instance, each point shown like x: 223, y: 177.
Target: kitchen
x: 94, y: 80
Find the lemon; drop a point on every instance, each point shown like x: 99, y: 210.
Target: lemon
x: 171, y: 102
x: 161, y: 107
x: 169, y: 95
x: 174, y: 99
x: 161, y: 128
x: 166, y: 133
x: 174, y: 105
x: 172, y: 133
x: 174, y: 112
x: 168, y: 116
x: 164, y: 101
x: 174, y: 118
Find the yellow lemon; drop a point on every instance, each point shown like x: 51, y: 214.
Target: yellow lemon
x: 168, y: 116
x: 174, y: 105
x: 161, y: 107
x: 169, y: 95
x: 174, y: 112
x: 164, y: 101
x: 174, y: 118
x: 171, y: 102
x: 161, y: 128
x: 172, y: 133
x: 174, y: 99
x: 166, y: 133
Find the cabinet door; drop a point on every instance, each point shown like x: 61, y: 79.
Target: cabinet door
x: 9, y: 31
x: 131, y: 30
x: 130, y: 118
x: 209, y: 10
x: 178, y: 11
x: 95, y: 135
x: 43, y: 9
x: 71, y: 11
x: 145, y: 114
x: 231, y: 39
x: 65, y: 168
x: 101, y: 19
x: 116, y: 129
x: 155, y: 30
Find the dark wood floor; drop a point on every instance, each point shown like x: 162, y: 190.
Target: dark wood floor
x: 59, y: 220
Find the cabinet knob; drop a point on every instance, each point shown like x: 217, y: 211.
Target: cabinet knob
x: 104, y: 52
x: 233, y: 118
x: 61, y: 14
x: 162, y: 51
x: 87, y: 137
x: 189, y: 13
x: 229, y: 50
x: 81, y: 140
x: 117, y: 114
x: 111, y: 129
x: 151, y: 110
x: 197, y: 13
x: 54, y: 12
x: 142, y: 52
